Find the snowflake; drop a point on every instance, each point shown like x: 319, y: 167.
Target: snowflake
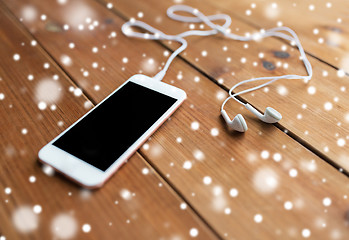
x: 326, y: 201
x: 146, y: 146
x: 340, y: 73
x: 24, y: 131
x: 341, y: 142
x: 220, y: 95
x: 288, y: 205
x: 86, y: 228
x: 66, y: 60
x: 149, y: 65
x: 145, y: 171
x: 277, y: 157
x: 32, y: 179
x: 265, y: 180
x: 187, y: 165
x: 217, y: 191
x: 199, y: 155
x: 64, y: 226
x: 30, y: 77
x: 258, y: 218
x: 47, y: 91
x: 140, y: 14
x: 16, y: 57
x: 193, y: 232
x: 282, y: 90
x: 207, y: 180
x: 95, y: 49
x: 233, y: 192
x: 48, y: 170
x: 125, y: 194
x: 25, y: 220
x: 264, y: 154
x: 214, y: 132
x: 311, y: 90
x: 183, y: 206
x: 306, y: 233
x: 42, y: 105
x: 77, y: 92
x: 85, y: 73
x: 8, y: 190
x: 293, y: 172
x: 29, y: 13
x: 37, y: 209
x: 195, y: 125
x: 179, y: 75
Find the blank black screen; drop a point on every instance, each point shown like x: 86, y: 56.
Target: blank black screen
x: 110, y: 129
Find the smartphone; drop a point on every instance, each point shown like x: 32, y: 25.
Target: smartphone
x: 91, y: 150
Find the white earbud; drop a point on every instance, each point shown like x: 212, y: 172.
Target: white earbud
x: 270, y: 115
x: 238, y: 123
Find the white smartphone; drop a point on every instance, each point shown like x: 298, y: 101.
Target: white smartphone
x: 95, y: 146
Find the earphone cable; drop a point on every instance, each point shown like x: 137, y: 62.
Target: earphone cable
x: 216, y: 29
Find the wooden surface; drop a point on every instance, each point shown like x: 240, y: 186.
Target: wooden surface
x: 326, y: 30
x: 303, y: 110
x: 257, y: 167
x: 122, y: 208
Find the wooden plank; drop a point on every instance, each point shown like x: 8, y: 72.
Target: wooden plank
x: 275, y: 178
x: 322, y: 104
x: 325, y: 34
x: 135, y: 204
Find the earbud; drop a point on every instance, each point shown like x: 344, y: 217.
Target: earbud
x: 238, y: 123
x: 270, y: 115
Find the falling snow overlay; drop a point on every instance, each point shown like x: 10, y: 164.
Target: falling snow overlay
x: 284, y: 181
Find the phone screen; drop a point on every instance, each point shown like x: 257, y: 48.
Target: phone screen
x: 111, y: 128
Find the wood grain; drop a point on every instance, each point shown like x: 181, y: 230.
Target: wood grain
x: 135, y: 204
x: 316, y: 113
x: 322, y: 25
x: 236, y: 182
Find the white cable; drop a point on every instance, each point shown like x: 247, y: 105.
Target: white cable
x: 156, y: 35
x: 216, y: 29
